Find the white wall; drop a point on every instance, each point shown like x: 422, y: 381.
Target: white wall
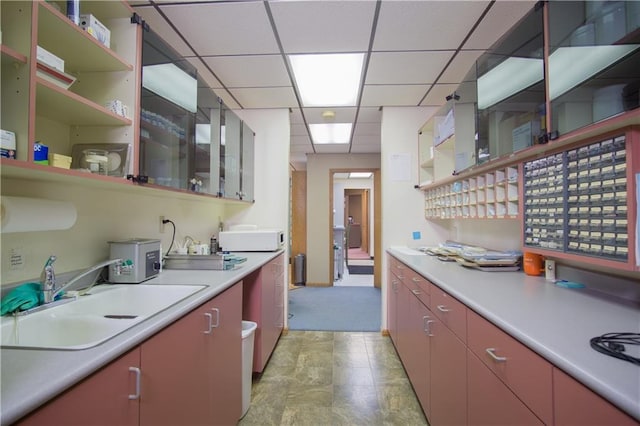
x: 319, y: 215
x: 103, y: 215
x: 402, y: 204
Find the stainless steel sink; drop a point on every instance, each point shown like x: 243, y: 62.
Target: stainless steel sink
x: 92, y: 319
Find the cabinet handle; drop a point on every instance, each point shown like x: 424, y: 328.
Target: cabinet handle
x: 427, y: 325
x: 217, y: 311
x: 210, y: 317
x: 443, y: 308
x: 491, y: 352
x: 416, y: 292
x: 416, y: 279
x: 137, y: 371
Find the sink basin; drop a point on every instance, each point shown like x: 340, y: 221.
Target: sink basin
x: 91, y: 319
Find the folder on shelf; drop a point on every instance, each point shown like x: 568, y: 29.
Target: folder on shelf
x: 55, y: 76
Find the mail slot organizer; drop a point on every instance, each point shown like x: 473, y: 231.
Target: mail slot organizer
x: 576, y: 201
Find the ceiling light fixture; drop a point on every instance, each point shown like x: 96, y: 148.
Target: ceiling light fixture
x: 328, y: 115
x: 360, y: 175
x: 329, y: 79
x: 330, y: 133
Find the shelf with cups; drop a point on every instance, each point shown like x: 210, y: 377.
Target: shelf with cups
x: 490, y: 195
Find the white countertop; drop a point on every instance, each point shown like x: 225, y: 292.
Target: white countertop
x: 555, y: 322
x: 31, y: 377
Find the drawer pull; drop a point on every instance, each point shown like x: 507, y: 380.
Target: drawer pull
x: 217, y: 311
x: 491, y: 352
x: 416, y: 292
x: 416, y: 279
x: 137, y: 371
x: 443, y: 308
x: 427, y: 325
x: 210, y: 321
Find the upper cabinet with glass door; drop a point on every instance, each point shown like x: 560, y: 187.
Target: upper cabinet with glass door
x: 594, y: 62
x: 511, y: 90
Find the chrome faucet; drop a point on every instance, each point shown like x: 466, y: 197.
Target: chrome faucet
x: 49, y: 288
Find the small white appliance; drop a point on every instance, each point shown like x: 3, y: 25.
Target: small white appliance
x: 251, y: 240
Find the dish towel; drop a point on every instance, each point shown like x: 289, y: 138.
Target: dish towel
x: 21, y: 298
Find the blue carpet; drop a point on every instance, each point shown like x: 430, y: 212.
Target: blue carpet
x: 335, y: 309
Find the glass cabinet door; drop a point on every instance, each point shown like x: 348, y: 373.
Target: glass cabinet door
x: 207, y: 147
x: 247, y: 163
x: 168, y: 106
x: 231, y: 151
x: 594, y: 61
x: 511, y: 90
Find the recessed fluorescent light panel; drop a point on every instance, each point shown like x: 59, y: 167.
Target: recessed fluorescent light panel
x: 328, y: 80
x: 330, y: 133
x: 360, y: 175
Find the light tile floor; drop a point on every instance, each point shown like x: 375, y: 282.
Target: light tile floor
x: 333, y: 378
x: 354, y: 279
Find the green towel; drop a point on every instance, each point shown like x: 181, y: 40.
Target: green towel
x: 21, y: 298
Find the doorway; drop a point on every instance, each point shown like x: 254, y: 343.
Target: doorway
x: 354, y: 214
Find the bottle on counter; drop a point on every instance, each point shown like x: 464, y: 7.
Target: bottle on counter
x: 214, y: 245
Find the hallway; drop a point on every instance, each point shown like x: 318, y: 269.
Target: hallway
x: 333, y: 378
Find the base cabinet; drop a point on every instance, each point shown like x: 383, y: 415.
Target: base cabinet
x: 263, y: 303
x: 491, y: 401
x: 108, y: 397
x: 187, y: 374
x: 575, y: 404
x: 191, y: 370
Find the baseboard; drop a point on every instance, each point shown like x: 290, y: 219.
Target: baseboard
x: 319, y: 285
x: 385, y: 332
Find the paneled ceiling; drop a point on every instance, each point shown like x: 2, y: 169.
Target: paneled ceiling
x: 416, y: 53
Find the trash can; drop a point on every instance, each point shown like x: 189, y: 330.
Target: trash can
x: 248, y: 333
x: 300, y: 270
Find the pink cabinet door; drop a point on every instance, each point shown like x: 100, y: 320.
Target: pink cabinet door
x: 100, y: 399
x: 448, y: 377
x: 491, y: 402
x: 392, y: 302
x: 577, y: 405
x: 185, y: 366
x: 417, y: 364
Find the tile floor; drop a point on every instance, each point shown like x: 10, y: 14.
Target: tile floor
x: 333, y: 378
x: 355, y: 280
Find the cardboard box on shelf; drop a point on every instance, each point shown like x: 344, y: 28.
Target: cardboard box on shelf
x: 48, y: 58
x: 7, y: 144
x: 40, y: 153
x: 59, y: 160
x: 94, y: 27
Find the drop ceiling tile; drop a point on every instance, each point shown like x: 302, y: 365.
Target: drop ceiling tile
x: 160, y: 26
x: 438, y: 93
x: 393, y: 95
x: 298, y: 129
x: 265, y: 97
x: 240, y: 71
x: 224, y: 28
x: 425, y: 25
x: 406, y: 67
x: 204, y: 73
x: 367, y: 129
x: 300, y: 141
x: 463, y: 62
x: 502, y: 16
x: 369, y: 115
x: 323, y: 26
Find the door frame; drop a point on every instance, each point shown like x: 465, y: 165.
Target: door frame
x: 377, y: 223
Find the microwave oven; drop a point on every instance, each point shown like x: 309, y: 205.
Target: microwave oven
x: 251, y: 240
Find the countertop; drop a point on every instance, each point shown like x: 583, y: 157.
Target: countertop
x: 31, y: 377
x: 557, y: 323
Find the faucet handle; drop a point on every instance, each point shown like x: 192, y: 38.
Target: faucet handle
x: 47, y: 274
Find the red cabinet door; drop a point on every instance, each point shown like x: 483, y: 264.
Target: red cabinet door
x: 417, y: 365
x: 491, y: 402
x: 577, y: 405
x: 186, y: 366
x: 100, y: 399
x: 448, y: 377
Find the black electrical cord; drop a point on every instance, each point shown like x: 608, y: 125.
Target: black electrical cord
x: 612, y: 344
x: 173, y: 237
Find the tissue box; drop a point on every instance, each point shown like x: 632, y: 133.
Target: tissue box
x: 49, y: 58
x: 59, y: 160
x: 7, y: 144
x: 40, y: 154
x: 94, y: 27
